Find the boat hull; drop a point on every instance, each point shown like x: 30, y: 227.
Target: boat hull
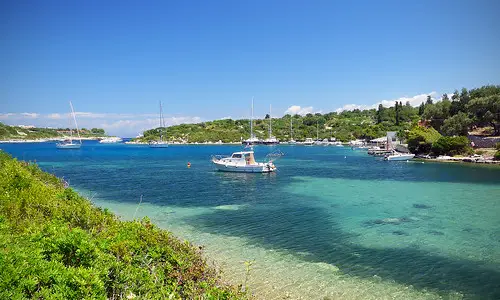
x: 158, y: 145
x: 68, y: 146
x: 270, y: 143
x: 399, y: 157
x: 244, y: 169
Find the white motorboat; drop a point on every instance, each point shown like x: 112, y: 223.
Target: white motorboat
x: 243, y: 162
x: 308, y: 142
x: 111, y: 140
x: 356, y: 143
x: 69, y: 143
x: 397, y: 156
x: 160, y: 143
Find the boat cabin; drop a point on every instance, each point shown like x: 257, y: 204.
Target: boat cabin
x: 247, y: 156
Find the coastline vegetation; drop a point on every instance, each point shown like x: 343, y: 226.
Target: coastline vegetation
x: 55, y: 244
x: 429, y: 128
x: 33, y: 133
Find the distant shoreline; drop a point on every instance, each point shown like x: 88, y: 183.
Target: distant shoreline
x: 462, y: 161
x: 45, y: 140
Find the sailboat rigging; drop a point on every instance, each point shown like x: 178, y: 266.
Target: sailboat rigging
x: 271, y: 140
x: 253, y: 139
x: 69, y: 144
x: 160, y: 143
x: 291, y: 141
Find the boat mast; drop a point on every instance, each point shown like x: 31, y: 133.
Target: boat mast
x: 161, y: 123
x: 270, y: 122
x: 76, y: 124
x: 251, y: 122
x: 70, y: 131
x: 291, y: 127
x: 317, y: 130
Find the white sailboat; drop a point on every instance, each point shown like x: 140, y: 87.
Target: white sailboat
x: 69, y: 144
x: 160, y: 143
x: 271, y: 140
x: 291, y: 141
x: 317, y: 142
x: 253, y: 139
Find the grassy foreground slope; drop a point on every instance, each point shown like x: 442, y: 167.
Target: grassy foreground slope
x: 54, y: 244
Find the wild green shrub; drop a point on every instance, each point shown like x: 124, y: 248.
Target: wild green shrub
x: 497, y: 155
x: 55, y: 244
x: 420, y: 139
x: 452, y: 145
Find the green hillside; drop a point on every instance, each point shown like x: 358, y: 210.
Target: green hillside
x: 343, y: 126
x: 454, y: 115
x: 20, y: 133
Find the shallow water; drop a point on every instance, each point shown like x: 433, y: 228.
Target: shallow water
x: 332, y: 222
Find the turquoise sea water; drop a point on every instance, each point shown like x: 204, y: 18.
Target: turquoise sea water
x: 332, y: 222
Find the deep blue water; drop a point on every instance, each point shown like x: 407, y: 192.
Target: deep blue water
x: 434, y: 227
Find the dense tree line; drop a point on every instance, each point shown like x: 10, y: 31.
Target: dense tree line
x: 451, y: 120
x: 450, y: 117
x: 344, y: 126
x: 466, y: 110
x: 16, y: 132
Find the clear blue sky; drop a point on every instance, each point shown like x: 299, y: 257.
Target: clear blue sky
x: 208, y: 58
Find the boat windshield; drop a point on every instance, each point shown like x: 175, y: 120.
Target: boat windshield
x: 236, y: 156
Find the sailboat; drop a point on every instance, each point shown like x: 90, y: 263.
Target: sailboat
x: 160, y: 143
x: 291, y: 141
x: 69, y: 144
x: 317, y: 141
x: 271, y: 140
x: 253, y: 139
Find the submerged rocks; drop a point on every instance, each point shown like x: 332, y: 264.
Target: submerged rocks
x: 399, y: 232
x: 435, y: 232
x: 388, y: 221
x: 421, y: 206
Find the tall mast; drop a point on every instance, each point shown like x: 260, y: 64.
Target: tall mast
x: 70, y: 130
x: 317, y: 130
x: 251, y: 122
x: 161, y: 123
x: 74, y: 118
x: 291, y: 127
x: 270, y: 122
